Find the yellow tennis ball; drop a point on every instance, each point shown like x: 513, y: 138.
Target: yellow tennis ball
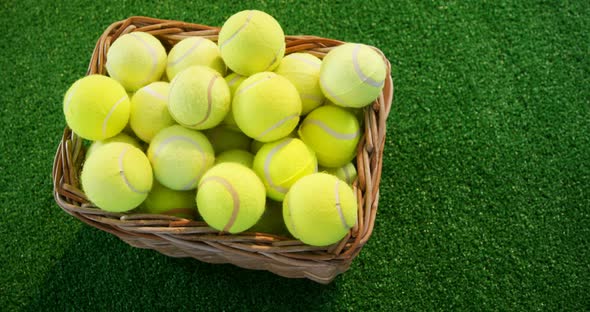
x: 121, y: 138
x: 162, y: 200
x: 352, y: 75
x: 194, y: 51
x: 303, y: 70
x: 271, y: 221
x: 199, y: 98
x: 266, y: 107
x: 180, y: 157
x: 117, y: 177
x: 234, y: 81
x: 136, y: 60
x: 251, y: 42
x: 237, y: 156
x: 224, y: 138
x: 96, y: 107
x: 149, y: 110
x: 346, y: 173
x: 281, y: 163
x: 320, y: 209
x: 332, y: 133
x: 230, y: 197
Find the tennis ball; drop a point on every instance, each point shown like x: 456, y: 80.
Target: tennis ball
x: 117, y: 177
x: 199, y: 98
x: 194, y: 51
x: 162, y: 200
x: 346, y: 173
x: 352, y: 75
x: 271, y: 221
x: 230, y: 197
x: 180, y: 157
x: 121, y: 137
x: 96, y: 107
x: 332, y: 133
x: 251, y: 42
x: 237, y: 156
x: 136, y: 60
x: 266, y: 107
x: 303, y: 70
x: 223, y: 138
x: 320, y: 209
x: 149, y: 110
x: 281, y: 163
x: 234, y: 81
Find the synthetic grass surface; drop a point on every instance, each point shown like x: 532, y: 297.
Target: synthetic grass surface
x: 486, y: 182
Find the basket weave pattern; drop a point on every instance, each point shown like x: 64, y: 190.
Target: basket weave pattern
x: 177, y: 237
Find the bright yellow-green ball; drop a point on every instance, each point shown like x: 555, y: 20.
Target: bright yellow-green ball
x: 352, y: 75
x: 180, y: 157
x: 194, y: 51
x: 266, y: 107
x: 332, y: 133
x: 303, y: 70
x: 237, y: 156
x: 346, y: 173
x: 136, y: 59
x: 96, y: 107
x: 230, y: 197
x: 224, y: 138
x: 199, y: 98
x: 281, y: 163
x: 162, y: 200
x: 320, y: 209
x: 117, y: 177
x: 149, y: 110
x: 251, y: 42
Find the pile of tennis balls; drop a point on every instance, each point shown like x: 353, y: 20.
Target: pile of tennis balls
x: 227, y: 131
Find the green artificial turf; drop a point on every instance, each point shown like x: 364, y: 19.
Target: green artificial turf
x: 485, y: 196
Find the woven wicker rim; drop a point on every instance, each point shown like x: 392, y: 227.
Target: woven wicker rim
x: 178, y: 237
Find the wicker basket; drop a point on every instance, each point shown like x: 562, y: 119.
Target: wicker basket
x: 177, y: 237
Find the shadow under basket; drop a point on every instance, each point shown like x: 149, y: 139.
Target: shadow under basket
x: 178, y: 237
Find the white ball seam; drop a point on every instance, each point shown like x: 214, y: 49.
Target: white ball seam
x: 248, y: 18
x: 124, y: 177
x: 267, y: 161
x: 332, y: 132
x: 235, y: 198
x: 357, y: 68
x: 110, y: 113
x: 154, y: 56
x: 187, y: 53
